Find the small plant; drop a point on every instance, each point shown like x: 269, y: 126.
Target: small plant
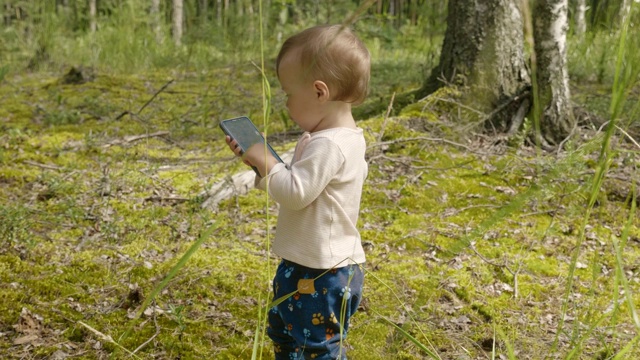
x: 178, y: 317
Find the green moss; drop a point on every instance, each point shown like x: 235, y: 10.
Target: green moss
x: 442, y: 101
x: 484, y: 311
x: 423, y: 203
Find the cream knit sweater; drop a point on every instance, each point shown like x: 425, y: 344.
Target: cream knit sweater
x: 319, y: 196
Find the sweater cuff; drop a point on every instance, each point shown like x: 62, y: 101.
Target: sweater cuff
x: 261, y: 182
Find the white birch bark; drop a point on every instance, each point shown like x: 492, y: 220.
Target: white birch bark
x: 625, y: 9
x: 155, y: 20
x: 550, y: 33
x: 93, y: 12
x: 580, y: 18
x: 177, y: 21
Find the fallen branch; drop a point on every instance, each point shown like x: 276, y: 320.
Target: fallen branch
x: 132, y: 138
x: 162, y: 199
x: 127, y: 112
x: 155, y: 321
x: 420, y: 138
x: 154, y: 96
x: 237, y: 184
x: 108, y: 339
x: 43, y: 166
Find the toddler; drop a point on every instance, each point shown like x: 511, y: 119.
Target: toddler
x: 323, y: 70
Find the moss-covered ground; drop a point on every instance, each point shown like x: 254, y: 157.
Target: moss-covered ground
x: 469, y: 238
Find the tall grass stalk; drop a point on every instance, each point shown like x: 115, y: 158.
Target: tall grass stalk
x: 205, y: 235
x: 511, y: 354
x: 620, y: 275
x: 619, y: 95
x: 430, y: 350
x: 261, y: 326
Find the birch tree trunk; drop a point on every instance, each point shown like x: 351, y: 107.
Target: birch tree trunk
x: 483, y: 49
x: 580, y: 18
x: 177, y: 21
x: 550, y: 34
x: 155, y: 20
x: 625, y: 9
x: 93, y: 12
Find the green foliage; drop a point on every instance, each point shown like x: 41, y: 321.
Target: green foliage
x: 421, y: 205
x: 466, y: 246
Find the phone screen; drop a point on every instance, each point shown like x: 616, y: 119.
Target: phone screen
x: 245, y: 133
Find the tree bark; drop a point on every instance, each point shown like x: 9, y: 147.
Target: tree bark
x: 203, y: 11
x: 177, y: 21
x: 625, y: 9
x: 155, y: 20
x: 550, y: 34
x: 580, y: 18
x: 93, y: 12
x: 483, y: 49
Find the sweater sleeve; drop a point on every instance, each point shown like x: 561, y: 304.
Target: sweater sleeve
x: 297, y: 187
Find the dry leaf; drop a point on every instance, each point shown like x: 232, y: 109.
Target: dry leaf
x: 27, y: 339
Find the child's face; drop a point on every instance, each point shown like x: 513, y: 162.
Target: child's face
x: 302, y: 98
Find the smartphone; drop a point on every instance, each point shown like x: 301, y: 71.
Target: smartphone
x: 246, y: 134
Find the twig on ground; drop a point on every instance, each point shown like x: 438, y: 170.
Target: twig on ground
x: 127, y: 112
x: 132, y: 138
x: 386, y: 118
x: 43, y: 166
x: 409, y: 162
x: 501, y: 266
x: 421, y: 138
x: 107, y: 338
x: 154, y: 96
x: 155, y: 321
x: 171, y: 199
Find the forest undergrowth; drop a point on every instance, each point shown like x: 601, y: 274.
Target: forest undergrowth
x: 469, y: 236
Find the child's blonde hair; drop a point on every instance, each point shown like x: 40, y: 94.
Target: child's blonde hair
x: 333, y: 54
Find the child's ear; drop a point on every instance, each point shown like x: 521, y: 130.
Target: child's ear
x: 322, y: 90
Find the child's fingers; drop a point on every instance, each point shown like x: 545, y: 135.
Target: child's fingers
x: 233, y: 145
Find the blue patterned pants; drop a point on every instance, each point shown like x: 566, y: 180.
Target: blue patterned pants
x: 313, y: 323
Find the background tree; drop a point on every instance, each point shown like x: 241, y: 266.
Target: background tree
x: 93, y: 13
x: 552, y: 79
x: 580, y: 22
x: 604, y: 14
x: 155, y: 20
x: 177, y: 21
x: 483, y: 49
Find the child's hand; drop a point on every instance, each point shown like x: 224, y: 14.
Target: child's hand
x: 233, y: 145
x: 256, y: 156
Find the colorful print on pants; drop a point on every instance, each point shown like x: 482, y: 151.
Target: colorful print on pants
x: 307, y: 326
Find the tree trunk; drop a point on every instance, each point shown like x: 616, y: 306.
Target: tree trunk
x: 580, y: 19
x: 155, y: 20
x: 177, y: 21
x: 6, y: 19
x: 484, y: 49
x: 625, y: 9
x: 550, y: 34
x: 93, y: 12
x: 203, y: 11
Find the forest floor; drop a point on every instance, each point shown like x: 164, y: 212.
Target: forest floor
x: 478, y: 246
